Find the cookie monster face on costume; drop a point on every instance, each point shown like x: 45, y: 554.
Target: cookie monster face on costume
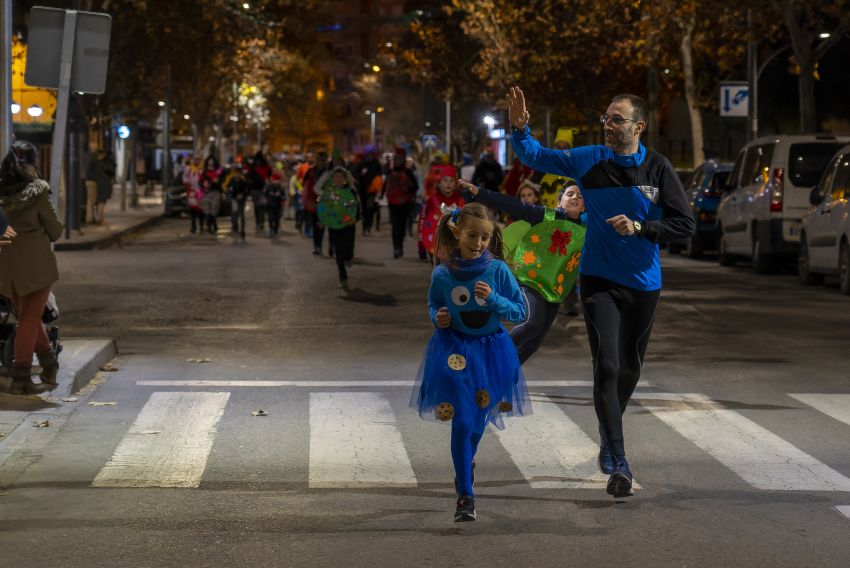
x: 464, y: 308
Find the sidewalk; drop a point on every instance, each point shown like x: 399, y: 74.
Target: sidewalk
x: 118, y: 223
x: 79, y: 362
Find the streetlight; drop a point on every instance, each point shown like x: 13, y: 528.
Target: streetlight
x: 376, y: 68
x: 490, y: 121
x: 246, y: 6
x: 186, y: 116
x: 161, y: 103
x: 372, y: 116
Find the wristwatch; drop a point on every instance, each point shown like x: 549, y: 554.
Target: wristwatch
x: 638, y: 228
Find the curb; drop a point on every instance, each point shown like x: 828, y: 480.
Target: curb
x: 78, y: 368
x: 108, y: 240
x: 79, y: 363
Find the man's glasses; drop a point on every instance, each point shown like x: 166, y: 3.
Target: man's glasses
x: 617, y: 120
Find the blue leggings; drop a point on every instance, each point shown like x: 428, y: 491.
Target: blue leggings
x: 464, y: 445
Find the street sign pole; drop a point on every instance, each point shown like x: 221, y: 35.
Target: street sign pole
x: 449, y: 129
x: 62, y: 100
x: 166, y: 132
x: 752, y: 80
x: 6, y: 78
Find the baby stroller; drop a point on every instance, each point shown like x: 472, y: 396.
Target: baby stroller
x: 7, y: 329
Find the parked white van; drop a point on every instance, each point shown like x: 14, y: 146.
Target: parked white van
x: 760, y: 214
x: 825, y: 237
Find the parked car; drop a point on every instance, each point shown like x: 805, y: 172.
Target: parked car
x: 760, y: 214
x: 702, y: 187
x: 825, y: 236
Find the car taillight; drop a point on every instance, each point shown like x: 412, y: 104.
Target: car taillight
x: 776, y: 189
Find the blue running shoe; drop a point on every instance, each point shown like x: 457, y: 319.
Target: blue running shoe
x: 620, y: 482
x: 605, y: 460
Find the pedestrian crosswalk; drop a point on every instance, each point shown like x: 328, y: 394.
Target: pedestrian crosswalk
x: 353, y: 442
x: 168, y: 444
x: 368, y: 438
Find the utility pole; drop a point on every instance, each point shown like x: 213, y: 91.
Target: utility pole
x: 63, y: 99
x: 449, y: 130
x: 6, y: 77
x: 166, y: 131
x: 752, y: 79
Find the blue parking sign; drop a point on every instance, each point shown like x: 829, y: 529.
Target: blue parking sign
x: 734, y: 99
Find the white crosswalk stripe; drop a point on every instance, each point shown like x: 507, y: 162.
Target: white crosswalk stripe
x: 168, y: 444
x: 355, y: 440
x: 756, y: 455
x: 835, y: 405
x: 551, y: 450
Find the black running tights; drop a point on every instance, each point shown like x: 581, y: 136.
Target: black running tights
x: 619, y: 321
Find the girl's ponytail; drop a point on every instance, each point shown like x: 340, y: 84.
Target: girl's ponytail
x: 445, y: 241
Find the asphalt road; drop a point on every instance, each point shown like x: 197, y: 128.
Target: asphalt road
x: 733, y: 470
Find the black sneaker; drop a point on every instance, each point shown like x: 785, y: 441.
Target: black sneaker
x: 620, y: 482
x: 465, y: 509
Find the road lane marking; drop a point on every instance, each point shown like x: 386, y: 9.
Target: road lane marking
x: 354, y: 442
x: 844, y: 510
x: 755, y: 454
x: 834, y: 405
x: 337, y: 384
x: 550, y: 450
x: 177, y: 455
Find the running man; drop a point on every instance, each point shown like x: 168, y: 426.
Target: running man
x: 634, y: 200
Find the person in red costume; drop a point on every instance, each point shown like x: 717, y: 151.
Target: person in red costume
x: 439, y: 169
x: 445, y: 199
x: 515, y: 178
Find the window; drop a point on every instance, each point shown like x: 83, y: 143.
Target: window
x: 825, y: 185
x: 806, y: 162
x: 757, y: 164
x: 696, y: 179
x: 736, y: 171
x: 719, y: 180
x: 841, y: 184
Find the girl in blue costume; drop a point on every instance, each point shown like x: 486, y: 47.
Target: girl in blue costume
x: 470, y: 374
x: 541, y: 313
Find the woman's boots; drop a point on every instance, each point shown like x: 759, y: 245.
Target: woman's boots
x: 22, y: 381
x: 49, y: 367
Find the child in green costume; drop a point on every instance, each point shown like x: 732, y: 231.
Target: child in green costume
x: 547, y: 257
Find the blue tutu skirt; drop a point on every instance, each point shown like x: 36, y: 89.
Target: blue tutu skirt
x: 472, y: 379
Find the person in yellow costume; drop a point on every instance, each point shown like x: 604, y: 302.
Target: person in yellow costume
x: 552, y: 185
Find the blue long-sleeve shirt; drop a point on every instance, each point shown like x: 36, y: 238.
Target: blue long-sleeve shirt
x: 454, y: 289
x: 642, y: 186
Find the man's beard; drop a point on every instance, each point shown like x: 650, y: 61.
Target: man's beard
x: 620, y: 140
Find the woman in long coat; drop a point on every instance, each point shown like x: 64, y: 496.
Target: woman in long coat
x: 28, y: 266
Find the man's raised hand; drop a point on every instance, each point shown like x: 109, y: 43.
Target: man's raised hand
x: 517, y: 113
